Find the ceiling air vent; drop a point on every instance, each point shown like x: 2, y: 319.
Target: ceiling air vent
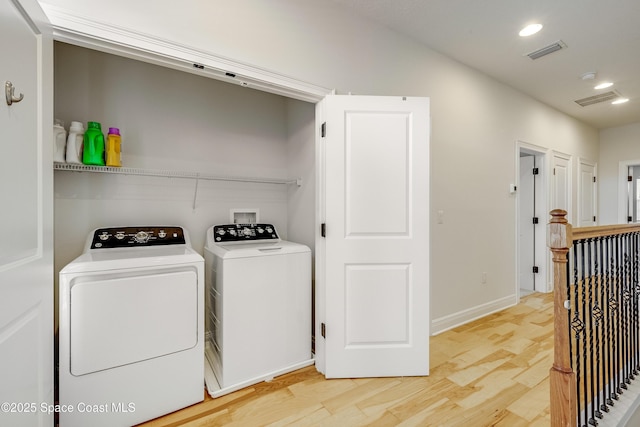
x: 553, y: 47
x: 601, y: 97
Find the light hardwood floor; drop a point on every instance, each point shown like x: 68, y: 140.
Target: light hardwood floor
x: 491, y: 372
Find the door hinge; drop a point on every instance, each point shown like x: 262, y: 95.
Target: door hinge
x: 535, y: 268
x: 323, y: 330
x: 535, y: 171
x: 629, y: 178
x: 629, y: 219
x: 554, y: 171
x: 594, y: 218
x: 323, y: 129
x: 323, y: 229
x: 535, y: 219
x: 594, y: 179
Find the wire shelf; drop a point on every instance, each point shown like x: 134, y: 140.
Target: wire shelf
x: 170, y: 174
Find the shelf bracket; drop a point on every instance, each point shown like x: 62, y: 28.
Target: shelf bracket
x: 195, y: 192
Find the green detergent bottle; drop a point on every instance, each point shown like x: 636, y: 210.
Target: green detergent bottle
x: 93, y: 145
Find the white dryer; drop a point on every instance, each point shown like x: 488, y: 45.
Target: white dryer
x: 259, y: 306
x: 131, y: 336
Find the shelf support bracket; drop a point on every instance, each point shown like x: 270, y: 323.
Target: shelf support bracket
x: 195, y: 192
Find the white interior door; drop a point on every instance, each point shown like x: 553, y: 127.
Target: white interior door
x: 586, y: 193
x: 560, y: 183
x: 376, y: 250
x: 26, y: 246
x: 632, y: 193
x: 526, y: 201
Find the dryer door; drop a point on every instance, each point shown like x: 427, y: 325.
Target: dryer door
x: 117, y: 320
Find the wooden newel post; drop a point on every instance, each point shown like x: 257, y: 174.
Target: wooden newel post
x: 562, y: 379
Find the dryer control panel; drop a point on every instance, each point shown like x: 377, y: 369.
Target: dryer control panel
x: 244, y: 233
x: 126, y: 237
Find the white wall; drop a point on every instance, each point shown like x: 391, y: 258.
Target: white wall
x: 301, y: 163
x: 619, y: 144
x: 475, y: 120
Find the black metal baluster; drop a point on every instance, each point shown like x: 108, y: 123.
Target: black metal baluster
x: 620, y: 328
x: 597, y: 317
x: 636, y: 294
x: 578, y: 328
x: 607, y: 318
x: 627, y: 302
x: 587, y: 275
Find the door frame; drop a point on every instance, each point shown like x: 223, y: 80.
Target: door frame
x: 541, y: 253
x: 623, y: 172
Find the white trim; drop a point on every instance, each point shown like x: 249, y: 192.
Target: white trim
x: 623, y: 172
x: 70, y: 27
x: 454, y: 320
x: 320, y: 242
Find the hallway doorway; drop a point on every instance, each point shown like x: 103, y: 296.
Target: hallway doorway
x: 531, y: 195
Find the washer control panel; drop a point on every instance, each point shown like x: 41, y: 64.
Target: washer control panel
x: 126, y: 237
x: 244, y: 232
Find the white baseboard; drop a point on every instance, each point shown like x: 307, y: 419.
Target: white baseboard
x: 457, y: 319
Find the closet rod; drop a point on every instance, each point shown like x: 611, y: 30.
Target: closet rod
x: 170, y: 174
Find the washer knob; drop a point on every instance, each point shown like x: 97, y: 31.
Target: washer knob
x: 162, y: 234
x: 119, y: 235
x: 104, y: 236
x: 141, y: 237
x: 246, y: 231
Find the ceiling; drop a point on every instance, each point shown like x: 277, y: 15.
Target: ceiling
x: 601, y: 37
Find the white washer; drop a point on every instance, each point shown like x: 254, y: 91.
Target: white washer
x: 259, y: 306
x: 131, y: 336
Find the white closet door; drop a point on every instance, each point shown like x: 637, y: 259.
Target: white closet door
x: 377, y: 236
x: 26, y: 188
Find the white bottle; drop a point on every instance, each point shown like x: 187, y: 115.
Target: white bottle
x: 74, y: 143
x: 59, y: 141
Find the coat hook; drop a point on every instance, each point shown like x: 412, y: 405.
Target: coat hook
x: 9, y: 91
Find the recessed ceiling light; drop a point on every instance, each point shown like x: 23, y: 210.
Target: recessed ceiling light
x: 620, y: 101
x: 603, y: 85
x: 530, y: 30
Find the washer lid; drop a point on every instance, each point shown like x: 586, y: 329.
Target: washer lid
x: 116, y: 259
x: 248, y: 250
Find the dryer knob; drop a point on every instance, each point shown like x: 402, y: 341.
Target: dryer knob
x: 141, y: 237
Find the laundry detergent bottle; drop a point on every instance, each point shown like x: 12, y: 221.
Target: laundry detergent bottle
x: 93, y: 146
x: 59, y: 141
x: 74, y: 143
x: 113, y: 152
